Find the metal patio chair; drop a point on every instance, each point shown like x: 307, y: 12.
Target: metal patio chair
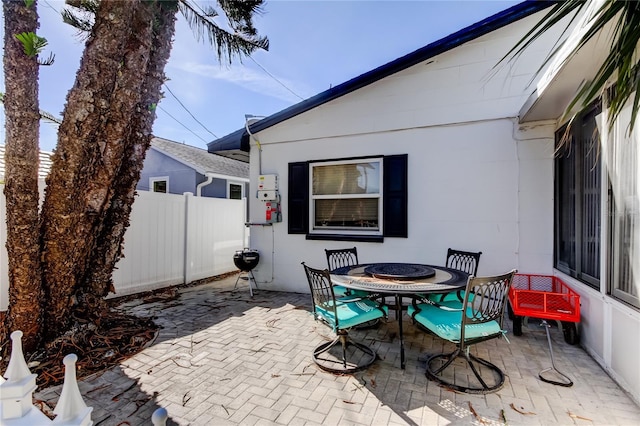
x: 340, y: 316
x: 338, y: 258
x: 465, y: 261
x: 479, y: 319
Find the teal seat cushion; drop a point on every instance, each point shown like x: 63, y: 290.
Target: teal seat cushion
x: 448, y: 297
x: 447, y: 324
x: 351, y: 314
x: 341, y: 291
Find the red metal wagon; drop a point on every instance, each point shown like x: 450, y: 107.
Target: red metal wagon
x: 544, y: 297
x: 548, y: 298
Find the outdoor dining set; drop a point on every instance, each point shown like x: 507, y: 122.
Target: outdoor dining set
x: 451, y: 302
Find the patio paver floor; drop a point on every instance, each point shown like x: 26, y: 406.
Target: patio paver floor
x: 224, y: 358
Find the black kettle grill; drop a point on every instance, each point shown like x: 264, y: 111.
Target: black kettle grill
x: 246, y: 260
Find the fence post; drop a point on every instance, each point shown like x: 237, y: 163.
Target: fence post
x: 188, y: 238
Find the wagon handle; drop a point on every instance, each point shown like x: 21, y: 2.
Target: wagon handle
x: 567, y: 381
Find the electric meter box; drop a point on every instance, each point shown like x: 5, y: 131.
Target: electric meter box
x: 268, y: 187
x: 267, y: 195
x: 268, y: 183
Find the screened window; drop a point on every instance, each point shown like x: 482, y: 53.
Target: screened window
x: 346, y: 195
x: 624, y: 208
x: 578, y: 199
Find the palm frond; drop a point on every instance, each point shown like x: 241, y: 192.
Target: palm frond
x: 90, y: 6
x: 81, y: 15
x: 83, y: 25
x: 242, y: 37
x: 621, y: 64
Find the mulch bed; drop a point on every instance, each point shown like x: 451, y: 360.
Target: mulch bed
x: 98, y: 347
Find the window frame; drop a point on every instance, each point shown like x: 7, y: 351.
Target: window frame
x: 395, y: 205
x: 622, y: 265
x: 153, y: 180
x: 237, y: 183
x: 315, y: 230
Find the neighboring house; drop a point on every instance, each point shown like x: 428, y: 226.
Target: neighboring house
x: 43, y: 167
x: 439, y: 149
x: 176, y: 168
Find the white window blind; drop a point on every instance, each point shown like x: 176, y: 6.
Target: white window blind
x: 346, y: 195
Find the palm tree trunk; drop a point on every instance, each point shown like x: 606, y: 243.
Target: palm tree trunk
x: 110, y: 241
x: 22, y: 124
x: 99, y: 107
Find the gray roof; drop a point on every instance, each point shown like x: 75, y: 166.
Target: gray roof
x: 43, y: 168
x: 197, y: 158
x: 200, y: 160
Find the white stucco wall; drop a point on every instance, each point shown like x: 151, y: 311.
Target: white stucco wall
x: 477, y: 181
x: 471, y: 186
x: 610, y: 332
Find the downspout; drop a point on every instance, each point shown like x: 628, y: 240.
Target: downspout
x: 209, y: 177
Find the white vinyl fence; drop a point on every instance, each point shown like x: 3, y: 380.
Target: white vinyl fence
x: 172, y: 239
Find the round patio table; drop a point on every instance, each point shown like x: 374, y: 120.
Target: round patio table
x: 398, y: 280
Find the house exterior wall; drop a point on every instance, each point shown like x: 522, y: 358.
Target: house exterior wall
x: 181, y: 178
x: 476, y: 180
x: 217, y: 188
x: 471, y: 186
x: 610, y: 332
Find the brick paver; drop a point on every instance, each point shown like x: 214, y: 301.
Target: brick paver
x: 223, y: 357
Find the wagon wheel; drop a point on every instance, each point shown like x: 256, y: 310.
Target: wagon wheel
x: 517, y: 325
x: 510, y: 311
x: 570, y: 332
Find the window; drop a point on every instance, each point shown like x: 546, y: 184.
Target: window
x: 235, y: 191
x: 346, y: 196
x: 159, y: 184
x: 623, y: 158
x: 577, y: 195
x: 356, y: 199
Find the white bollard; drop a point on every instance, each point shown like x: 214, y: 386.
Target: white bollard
x: 71, y: 409
x: 17, y: 368
x: 16, y: 393
x: 159, y: 417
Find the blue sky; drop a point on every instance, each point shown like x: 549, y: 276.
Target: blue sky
x: 313, y: 45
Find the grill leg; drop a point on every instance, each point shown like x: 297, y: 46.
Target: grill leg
x: 248, y: 276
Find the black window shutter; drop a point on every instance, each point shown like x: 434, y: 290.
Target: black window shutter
x: 395, y: 196
x: 298, y: 198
